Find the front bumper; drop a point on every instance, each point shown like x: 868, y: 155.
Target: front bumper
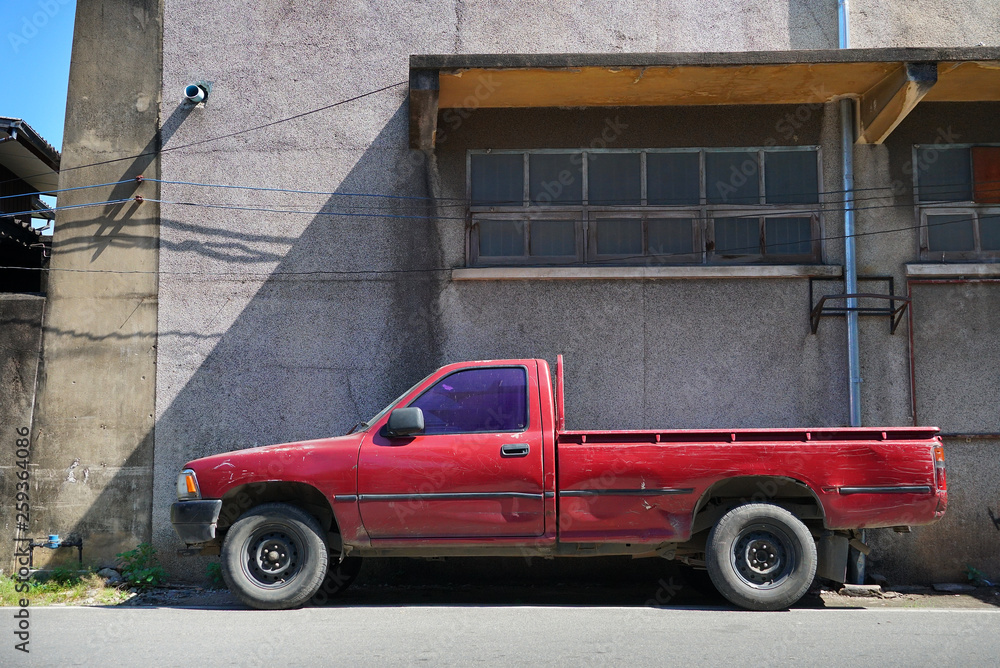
x: 195, y: 521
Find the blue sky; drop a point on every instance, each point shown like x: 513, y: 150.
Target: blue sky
x: 36, y: 38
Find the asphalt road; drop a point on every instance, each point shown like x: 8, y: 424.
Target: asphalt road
x: 508, y: 635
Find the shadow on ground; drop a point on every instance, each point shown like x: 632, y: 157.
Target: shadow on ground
x: 596, y: 582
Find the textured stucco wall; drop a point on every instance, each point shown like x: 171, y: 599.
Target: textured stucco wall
x: 969, y: 533
x: 876, y: 23
x: 271, y: 326
x: 956, y: 357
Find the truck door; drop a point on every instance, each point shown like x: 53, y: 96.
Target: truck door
x: 475, y: 471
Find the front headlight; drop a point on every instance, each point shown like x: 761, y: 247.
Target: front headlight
x: 187, y: 486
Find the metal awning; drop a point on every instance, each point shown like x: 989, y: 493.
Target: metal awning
x: 31, y: 158
x: 40, y: 209
x: 886, y: 83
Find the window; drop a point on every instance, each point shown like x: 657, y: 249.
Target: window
x: 663, y: 206
x: 476, y: 400
x: 957, y: 195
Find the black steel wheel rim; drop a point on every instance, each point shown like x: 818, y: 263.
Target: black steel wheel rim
x: 273, y: 556
x: 763, y: 556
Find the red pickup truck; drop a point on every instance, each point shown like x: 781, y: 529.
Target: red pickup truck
x: 474, y: 460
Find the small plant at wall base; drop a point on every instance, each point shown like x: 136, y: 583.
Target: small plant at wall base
x: 214, y: 574
x: 140, y: 568
x: 63, y: 575
x: 976, y: 577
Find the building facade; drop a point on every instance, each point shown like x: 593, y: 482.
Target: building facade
x: 360, y: 199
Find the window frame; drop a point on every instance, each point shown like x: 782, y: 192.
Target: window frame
x: 587, y: 216
x: 527, y: 399
x: 951, y: 207
x: 595, y: 257
x: 527, y: 258
x: 762, y: 256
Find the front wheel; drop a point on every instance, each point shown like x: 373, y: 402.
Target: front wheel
x: 761, y: 557
x: 274, y: 557
x: 338, y: 578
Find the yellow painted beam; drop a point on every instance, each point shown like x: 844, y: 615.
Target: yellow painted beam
x: 885, y: 105
x: 669, y: 85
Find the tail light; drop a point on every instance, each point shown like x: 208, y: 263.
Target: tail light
x: 939, y: 470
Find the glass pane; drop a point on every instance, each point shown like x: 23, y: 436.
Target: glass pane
x: 497, y: 179
x: 788, y: 236
x: 672, y: 178
x: 499, y: 238
x: 989, y: 231
x: 553, y: 237
x: 986, y: 174
x: 476, y: 400
x: 790, y: 177
x: 619, y: 236
x: 952, y: 232
x: 732, y: 178
x: 555, y: 178
x: 737, y: 236
x: 670, y: 236
x: 944, y: 174
x: 614, y: 179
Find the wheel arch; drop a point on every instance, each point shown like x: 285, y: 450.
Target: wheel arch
x: 787, y: 492
x: 242, y: 498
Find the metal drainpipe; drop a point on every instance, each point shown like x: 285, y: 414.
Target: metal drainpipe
x: 850, y: 258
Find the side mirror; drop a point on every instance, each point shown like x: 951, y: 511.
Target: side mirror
x: 404, y: 422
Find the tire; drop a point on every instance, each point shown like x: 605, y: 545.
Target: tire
x: 275, y: 557
x: 773, y: 581
x: 337, y: 579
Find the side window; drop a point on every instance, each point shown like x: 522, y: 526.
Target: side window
x: 476, y: 400
x: 645, y: 206
x: 958, y: 202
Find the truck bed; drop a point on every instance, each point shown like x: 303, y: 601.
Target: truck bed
x: 646, y: 485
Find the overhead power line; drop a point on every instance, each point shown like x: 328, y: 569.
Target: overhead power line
x: 219, y: 137
x: 654, y: 259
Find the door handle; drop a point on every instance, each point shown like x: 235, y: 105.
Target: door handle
x: 514, y: 450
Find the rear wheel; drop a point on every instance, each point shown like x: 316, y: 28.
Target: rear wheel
x: 274, y: 557
x: 761, y: 557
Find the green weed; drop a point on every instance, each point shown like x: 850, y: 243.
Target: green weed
x: 140, y: 568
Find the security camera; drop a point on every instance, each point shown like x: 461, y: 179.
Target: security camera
x: 196, y: 92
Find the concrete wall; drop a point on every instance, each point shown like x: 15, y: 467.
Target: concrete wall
x: 277, y: 326
x: 956, y: 357
x: 93, y: 434
x: 20, y: 349
x: 877, y: 23
x: 954, y: 353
